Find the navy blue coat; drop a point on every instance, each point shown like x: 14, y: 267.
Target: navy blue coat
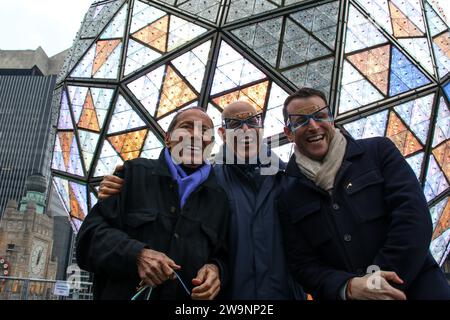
x: 377, y: 215
x: 258, y: 268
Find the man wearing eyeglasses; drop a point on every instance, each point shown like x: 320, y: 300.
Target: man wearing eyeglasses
x: 251, y: 175
x: 165, y: 231
x: 355, y: 221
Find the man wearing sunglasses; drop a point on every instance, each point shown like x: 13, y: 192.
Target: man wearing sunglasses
x: 355, y: 222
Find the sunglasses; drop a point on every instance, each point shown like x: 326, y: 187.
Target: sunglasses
x: 255, y: 121
x: 296, y: 121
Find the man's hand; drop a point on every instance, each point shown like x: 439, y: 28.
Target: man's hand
x: 359, y: 288
x: 155, y: 267
x: 110, y: 185
x: 207, y: 283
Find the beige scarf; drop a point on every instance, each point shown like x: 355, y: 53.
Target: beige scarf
x: 323, y: 173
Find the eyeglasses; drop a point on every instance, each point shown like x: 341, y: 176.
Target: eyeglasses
x: 142, y: 288
x: 252, y: 122
x: 296, y: 121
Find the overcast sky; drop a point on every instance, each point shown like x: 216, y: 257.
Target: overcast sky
x: 52, y: 24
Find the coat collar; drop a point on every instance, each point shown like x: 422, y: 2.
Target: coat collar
x: 162, y: 169
x: 354, y: 149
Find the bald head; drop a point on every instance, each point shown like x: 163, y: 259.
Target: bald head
x: 197, y: 111
x: 239, y: 110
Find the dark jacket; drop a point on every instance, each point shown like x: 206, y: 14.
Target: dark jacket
x: 377, y: 215
x: 146, y: 214
x: 257, y: 261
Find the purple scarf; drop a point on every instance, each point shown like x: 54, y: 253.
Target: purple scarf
x: 186, y: 184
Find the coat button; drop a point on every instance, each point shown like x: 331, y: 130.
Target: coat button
x: 349, y: 186
x: 177, y: 236
x: 336, y: 206
x: 173, y: 209
x: 347, y: 238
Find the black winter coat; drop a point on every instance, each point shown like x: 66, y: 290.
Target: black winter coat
x: 147, y: 214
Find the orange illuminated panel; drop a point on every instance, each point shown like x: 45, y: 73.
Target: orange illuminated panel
x: 443, y: 41
x: 225, y: 100
x: 255, y: 95
x: 443, y: 223
x: 374, y: 64
x: 75, y: 208
x: 65, y: 139
x: 129, y: 145
x: 155, y: 34
x: 118, y: 141
x: 403, y: 27
x: 442, y: 156
x: 102, y: 52
x: 175, y: 93
x: 411, y: 145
